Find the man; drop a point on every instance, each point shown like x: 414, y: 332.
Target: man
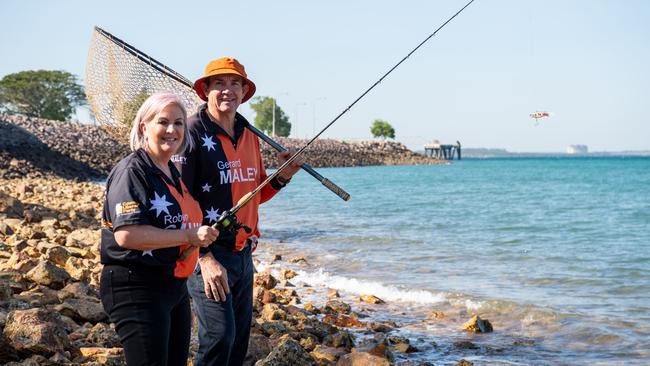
x: 224, y: 167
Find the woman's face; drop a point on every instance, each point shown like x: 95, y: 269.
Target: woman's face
x: 164, y: 134
x: 225, y: 92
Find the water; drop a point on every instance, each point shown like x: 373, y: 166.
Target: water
x: 555, y: 252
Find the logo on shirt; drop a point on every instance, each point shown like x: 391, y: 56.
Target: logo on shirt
x: 232, y: 172
x: 179, y: 159
x: 125, y: 208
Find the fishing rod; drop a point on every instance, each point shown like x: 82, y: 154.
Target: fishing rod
x: 168, y: 72
x: 228, y: 221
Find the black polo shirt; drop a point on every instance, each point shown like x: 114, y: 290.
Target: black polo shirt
x: 139, y: 193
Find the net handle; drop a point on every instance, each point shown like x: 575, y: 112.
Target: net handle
x: 146, y: 58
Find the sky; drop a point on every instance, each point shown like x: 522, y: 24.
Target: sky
x: 477, y: 81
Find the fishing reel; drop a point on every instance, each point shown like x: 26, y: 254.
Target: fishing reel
x: 229, y: 222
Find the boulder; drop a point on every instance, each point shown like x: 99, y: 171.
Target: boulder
x: 48, y: 274
x: 265, y: 280
x: 288, y: 352
x: 103, y: 335
x: 464, y: 344
x: 276, y: 258
x: 38, y: 296
x: 362, y: 359
x: 298, y: 259
x: 86, y: 309
x: 343, y: 321
x: 342, y: 339
x: 19, y: 261
x: 404, y: 348
x: 104, y: 356
x: 258, y: 348
x: 371, y: 299
x: 287, y: 274
x: 5, y: 229
x: 336, y: 307
x: 464, y: 362
x: 76, y: 268
x: 76, y: 289
x: 57, y: 255
x: 478, y: 325
x: 332, y: 293
x: 377, y: 346
x: 82, y: 238
x: 435, y: 314
x: 11, y: 206
x: 273, y: 312
x: 326, y: 355
x: 310, y: 307
x: 36, y: 331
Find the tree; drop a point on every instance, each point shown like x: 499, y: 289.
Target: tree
x: 50, y: 94
x: 42, y: 93
x: 383, y: 129
x: 263, y: 107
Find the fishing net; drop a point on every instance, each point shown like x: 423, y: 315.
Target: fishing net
x: 119, y: 78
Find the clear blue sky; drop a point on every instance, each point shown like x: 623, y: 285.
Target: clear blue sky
x: 587, y: 61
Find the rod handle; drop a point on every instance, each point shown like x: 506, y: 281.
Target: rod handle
x: 336, y: 189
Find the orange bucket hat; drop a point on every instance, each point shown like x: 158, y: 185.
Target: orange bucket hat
x: 224, y: 66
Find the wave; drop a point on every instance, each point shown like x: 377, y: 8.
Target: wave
x: 321, y: 278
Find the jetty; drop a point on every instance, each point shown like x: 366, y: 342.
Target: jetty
x: 441, y: 151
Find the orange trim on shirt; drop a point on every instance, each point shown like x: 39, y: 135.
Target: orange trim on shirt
x: 192, y: 218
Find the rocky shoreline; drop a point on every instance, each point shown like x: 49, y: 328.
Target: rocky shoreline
x: 32, y: 147
x: 50, y: 313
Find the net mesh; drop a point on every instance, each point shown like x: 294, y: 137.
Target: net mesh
x: 119, y: 78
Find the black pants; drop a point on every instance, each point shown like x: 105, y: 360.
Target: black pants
x: 151, y: 312
x: 224, y: 327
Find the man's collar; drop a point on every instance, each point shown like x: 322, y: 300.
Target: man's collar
x: 210, y: 126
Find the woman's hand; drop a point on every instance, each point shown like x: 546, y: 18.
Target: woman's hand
x: 202, y: 236
x: 215, y: 278
x: 295, y: 165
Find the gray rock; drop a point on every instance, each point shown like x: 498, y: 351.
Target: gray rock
x: 82, y: 310
x: 362, y: 359
x: 336, y: 307
x: 57, y: 254
x: 287, y: 353
x: 48, y: 274
x: 11, y: 206
x: 36, y: 331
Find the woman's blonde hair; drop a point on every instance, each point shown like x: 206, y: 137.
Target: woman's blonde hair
x: 148, y: 111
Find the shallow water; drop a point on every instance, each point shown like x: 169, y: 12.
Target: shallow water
x: 554, y: 251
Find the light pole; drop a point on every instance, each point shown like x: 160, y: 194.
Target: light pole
x: 313, y: 128
x: 273, y: 133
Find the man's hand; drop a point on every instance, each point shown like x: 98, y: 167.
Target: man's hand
x: 215, y: 278
x: 295, y: 165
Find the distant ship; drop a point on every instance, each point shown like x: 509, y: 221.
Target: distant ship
x: 577, y: 149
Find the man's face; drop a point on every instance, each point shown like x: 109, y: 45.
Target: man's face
x: 225, y: 92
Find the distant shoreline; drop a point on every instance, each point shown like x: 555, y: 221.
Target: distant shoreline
x: 559, y: 155
x: 503, y: 153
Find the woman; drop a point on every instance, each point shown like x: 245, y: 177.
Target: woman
x: 149, y: 219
